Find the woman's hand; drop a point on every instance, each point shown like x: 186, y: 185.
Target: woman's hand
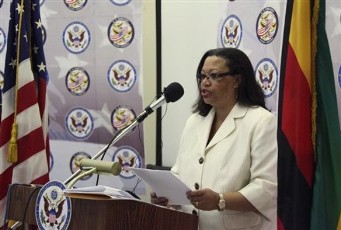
x: 204, y: 199
x: 163, y: 201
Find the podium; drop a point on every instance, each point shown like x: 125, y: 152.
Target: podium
x: 103, y: 213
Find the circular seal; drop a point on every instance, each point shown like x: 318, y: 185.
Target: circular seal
x: 74, y: 167
x: 120, y: 2
x: 75, y: 5
x: 267, y: 76
x: 51, y: 161
x: 128, y: 157
x: 79, y: 123
x: 77, y: 81
x: 2, y: 80
x: 267, y: 25
x: 122, y: 116
x: 2, y: 40
x: 121, y: 76
x: 121, y: 32
x: 53, y: 210
x: 76, y: 37
x: 231, y: 32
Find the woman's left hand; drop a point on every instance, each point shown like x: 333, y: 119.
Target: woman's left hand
x: 204, y: 199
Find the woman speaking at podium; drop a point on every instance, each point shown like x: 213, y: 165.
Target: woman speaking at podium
x: 228, y: 149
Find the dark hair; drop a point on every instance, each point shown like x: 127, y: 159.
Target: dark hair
x: 249, y: 91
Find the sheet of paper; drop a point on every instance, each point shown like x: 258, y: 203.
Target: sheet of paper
x: 100, y: 190
x: 165, y: 184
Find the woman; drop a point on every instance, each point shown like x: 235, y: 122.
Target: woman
x: 228, y: 149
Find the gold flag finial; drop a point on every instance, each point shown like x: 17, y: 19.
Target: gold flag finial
x: 12, y: 155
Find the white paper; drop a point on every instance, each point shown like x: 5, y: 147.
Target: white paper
x: 101, y: 190
x: 165, y: 184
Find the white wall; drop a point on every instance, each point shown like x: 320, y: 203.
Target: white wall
x: 149, y: 77
x: 189, y: 28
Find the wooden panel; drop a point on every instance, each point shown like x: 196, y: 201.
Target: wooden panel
x: 103, y: 213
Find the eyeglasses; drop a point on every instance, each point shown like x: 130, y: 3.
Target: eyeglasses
x: 213, y: 76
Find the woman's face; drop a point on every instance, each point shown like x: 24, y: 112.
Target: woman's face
x: 219, y: 93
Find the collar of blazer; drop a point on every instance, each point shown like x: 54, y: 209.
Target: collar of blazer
x: 228, y: 125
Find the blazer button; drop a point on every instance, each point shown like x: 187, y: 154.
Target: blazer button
x: 194, y: 212
x: 201, y: 160
x: 196, y: 186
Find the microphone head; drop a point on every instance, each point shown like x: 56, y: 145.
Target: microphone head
x: 101, y: 167
x: 173, y: 92
x: 116, y: 168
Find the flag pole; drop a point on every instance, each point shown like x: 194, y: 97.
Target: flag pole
x: 12, y: 155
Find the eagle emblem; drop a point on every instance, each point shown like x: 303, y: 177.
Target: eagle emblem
x: 126, y: 163
x: 79, y: 123
x: 53, y: 209
x: 122, y: 76
x: 76, y: 37
x: 128, y: 157
x: 266, y: 76
x: 231, y: 32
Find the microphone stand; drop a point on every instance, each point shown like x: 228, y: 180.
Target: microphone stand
x: 79, y: 176
x: 117, y: 137
x: 148, y: 110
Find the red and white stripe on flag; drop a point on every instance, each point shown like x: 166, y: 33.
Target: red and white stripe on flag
x: 24, y: 101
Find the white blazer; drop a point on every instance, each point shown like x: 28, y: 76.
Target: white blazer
x: 242, y: 156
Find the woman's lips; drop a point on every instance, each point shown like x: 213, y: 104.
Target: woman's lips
x: 205, y: 93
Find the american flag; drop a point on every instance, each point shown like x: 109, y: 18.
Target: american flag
x: 24, y: 101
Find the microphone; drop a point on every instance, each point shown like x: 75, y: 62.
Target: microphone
x: 171, y: 93
x: 101, y: 166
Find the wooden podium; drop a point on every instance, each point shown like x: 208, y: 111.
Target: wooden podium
x: 103, y: 213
